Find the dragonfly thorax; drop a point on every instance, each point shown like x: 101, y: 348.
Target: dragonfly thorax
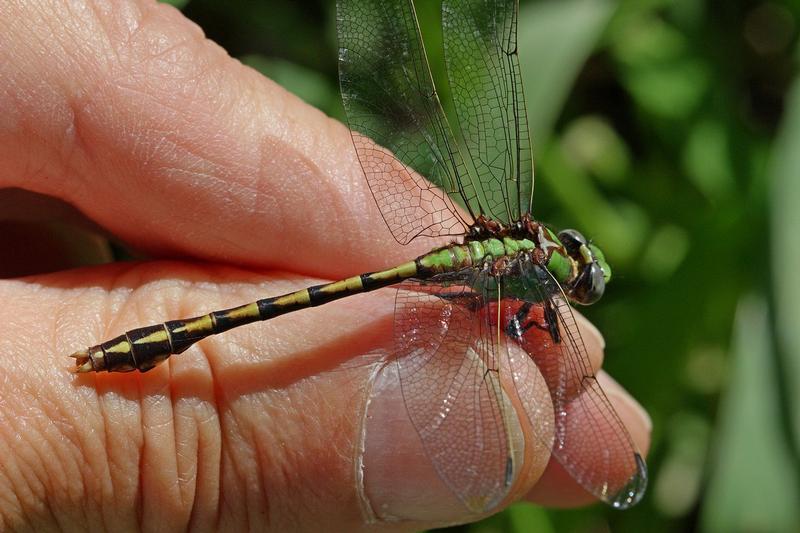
x: 577, y: 265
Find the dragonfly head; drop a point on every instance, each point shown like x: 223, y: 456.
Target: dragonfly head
x: 593, y: 272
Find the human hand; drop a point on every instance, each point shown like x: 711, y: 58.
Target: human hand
x: 126, y: 112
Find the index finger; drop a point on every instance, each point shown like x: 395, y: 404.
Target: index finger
x: 155, y: 133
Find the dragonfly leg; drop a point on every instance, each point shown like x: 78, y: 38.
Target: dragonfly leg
x: 515, y: 327
x: 551, y: 319
x: 520, y: 323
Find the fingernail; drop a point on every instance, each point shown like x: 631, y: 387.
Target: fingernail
x: 400, y: 481
x: 626, y: 402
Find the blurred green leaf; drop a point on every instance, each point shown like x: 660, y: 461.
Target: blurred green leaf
x: 677, y: 487
x: 525, y: 517
x: 641, y: 38
x: 785, y: 222
x: 706, y: 369
x: 592, y: 143
x: 309, y: 85
x: 687, y: 13
x: 671, y: 91
x: 180, y: 4
x: 666, y: 250
x: 555, y: 39
x: 707, y: 161
x: 752, y: 487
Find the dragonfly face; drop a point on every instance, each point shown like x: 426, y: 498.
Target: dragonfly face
x: 593, y: 270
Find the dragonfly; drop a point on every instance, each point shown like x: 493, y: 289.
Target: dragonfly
x: 464, y: 312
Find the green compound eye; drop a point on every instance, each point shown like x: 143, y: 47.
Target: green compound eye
x: 593, y: 270
x: 588, y: 286
x: 600, y: 258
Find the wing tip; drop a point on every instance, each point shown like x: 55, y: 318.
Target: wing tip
x: 634, y: 489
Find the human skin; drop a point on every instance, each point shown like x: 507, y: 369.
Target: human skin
x: 238, y: 190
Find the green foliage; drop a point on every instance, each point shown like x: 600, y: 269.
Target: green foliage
x: 554, y: 39
x: 745, y: 494
x: 653, y: 125
x: 785, y: 220
x: 177, y: 3
x: 312, y: 87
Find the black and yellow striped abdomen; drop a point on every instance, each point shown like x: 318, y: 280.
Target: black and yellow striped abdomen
x: 144, y: 348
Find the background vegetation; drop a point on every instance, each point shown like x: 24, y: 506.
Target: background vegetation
x: 668, y: 131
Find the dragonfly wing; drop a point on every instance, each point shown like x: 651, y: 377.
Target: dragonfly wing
x: 480, y: 43
x: 447, y: 366
x: 591, y: 441
x: 400, y: 133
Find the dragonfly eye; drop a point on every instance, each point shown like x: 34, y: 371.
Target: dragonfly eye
x: 588, y: 286
x: 572, y: 241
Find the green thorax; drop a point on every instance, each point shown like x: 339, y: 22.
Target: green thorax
x: 544, y: 248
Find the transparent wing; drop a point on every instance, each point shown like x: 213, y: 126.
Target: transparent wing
x: 591, y: 442
x: 480, y: 43
x: 401, y: 136
x: 447, y: 363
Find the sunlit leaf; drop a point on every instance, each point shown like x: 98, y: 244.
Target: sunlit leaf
x: 555, y: 39
x: 785, y: 222
x: 752, y: 487
x: 666, y: 249
x: 677, y: 486
x: 670, y: 91
x: 592, y: 143
x: 641, y: 38
x: 707, y: 160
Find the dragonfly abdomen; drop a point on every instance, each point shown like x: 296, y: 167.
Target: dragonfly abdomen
x: 144, y: 348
